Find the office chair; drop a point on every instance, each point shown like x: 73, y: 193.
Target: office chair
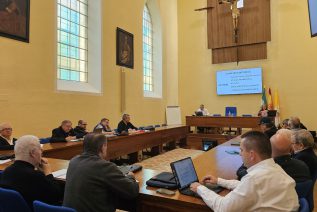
x: 43, y: 207
x: 216, y: 115
x: 303, y: 188
x: 246, y: 115
x: 12, y: 201
x: 310, y: 197
x: 208, y: 144
x: 303, y: 205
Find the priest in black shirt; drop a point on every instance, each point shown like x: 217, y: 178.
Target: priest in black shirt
x: 125, y: 124
x: 30, y: 174
x: 63, y: 133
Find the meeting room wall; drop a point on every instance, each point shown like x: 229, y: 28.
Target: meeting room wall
x: 290, y: 67
x: 28, y: 96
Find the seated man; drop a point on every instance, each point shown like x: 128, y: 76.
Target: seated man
x: 267, y: 126
x: 266, y: 187
x: 30, y: 174
x: 64, y: 133
x: 285, y: 124
x: 303, y: 142
x: 105, y: 126
x: 281, y: 152
x: 295, y: 124
x: 203, y: 110
x: 95, y: 184
x: 81, y: 129
x: 6, y: 142
x: 125, y: 125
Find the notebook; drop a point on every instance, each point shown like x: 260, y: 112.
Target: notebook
x: 185, y: 174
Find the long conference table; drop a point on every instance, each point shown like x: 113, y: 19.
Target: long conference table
x: 216, y: 162
x: 118, y: 145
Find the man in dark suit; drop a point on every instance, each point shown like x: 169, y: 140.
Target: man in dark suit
x: 30, y: 174
x: 81, y: 129
x: 281, y: 152
x: 303, y: 143
x: 267, y: 126
x: 95, y: 184
x: 125, y: 125
x: 64, y: 133
x: 6, y: 142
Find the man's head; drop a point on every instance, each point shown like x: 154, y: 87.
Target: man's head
x: 82, y: 124
x: 281, y: 143
x: 126, y: 118
x: 255, y: 147
x: 202, y: 107
x: 266, y: 123
x: 294, y: 123
x: 104, y: 121
x: 6, y: 130
x: 28, y: 148
x: 96, y: 144
x: 302, y: 139
x: 66, y: 125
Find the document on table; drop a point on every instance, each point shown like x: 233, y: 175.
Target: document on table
x: 5, y: 161
x: 60, y: 174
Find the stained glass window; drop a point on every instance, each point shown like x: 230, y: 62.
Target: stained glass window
x: 147, y: 50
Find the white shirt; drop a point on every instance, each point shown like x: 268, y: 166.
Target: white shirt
x: 266, y: 188
x: 204, y: 111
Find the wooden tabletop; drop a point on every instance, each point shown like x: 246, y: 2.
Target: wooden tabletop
x: 56, y: 164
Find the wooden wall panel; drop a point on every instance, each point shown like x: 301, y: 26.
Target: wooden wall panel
x: 254, y: 28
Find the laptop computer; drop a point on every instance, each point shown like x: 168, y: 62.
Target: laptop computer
x: 185, y: 174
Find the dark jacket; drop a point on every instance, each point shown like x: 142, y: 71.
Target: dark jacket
x: 125, y: 127
x: 309, y: 157
x: 80, y: 132
x: 94, y: 185
x: 59, y: 135
x: 31, y: 184
x: 296, y: 169
x: 4, y: 145
x: 270, y: 132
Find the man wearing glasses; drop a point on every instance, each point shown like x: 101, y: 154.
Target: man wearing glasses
x: 6, y: 142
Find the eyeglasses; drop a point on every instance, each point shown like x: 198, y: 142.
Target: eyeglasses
x: 9, y: 129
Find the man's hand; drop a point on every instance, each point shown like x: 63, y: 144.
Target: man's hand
x: 45, y: 167
x: 194, y: 186
x: 210, y: 179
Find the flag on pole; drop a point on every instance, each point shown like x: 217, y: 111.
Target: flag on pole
x: 277, y: 108
x: 264, y: 102
x: 269, y: 101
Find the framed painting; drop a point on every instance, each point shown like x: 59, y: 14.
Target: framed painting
x: 14, y: 19
x: 125, y: 55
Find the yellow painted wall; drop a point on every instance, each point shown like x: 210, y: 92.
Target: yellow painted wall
x: 28, y: 96
x: 291, y: 66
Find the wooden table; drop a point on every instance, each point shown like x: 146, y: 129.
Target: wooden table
x: 117, y: 145
x: 223, y: 121
x: 216, y: 162
x: 56, y: 164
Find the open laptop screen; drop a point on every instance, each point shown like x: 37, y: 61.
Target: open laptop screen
x: 184, y: 172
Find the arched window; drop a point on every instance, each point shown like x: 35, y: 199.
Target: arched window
x: 147, y: 50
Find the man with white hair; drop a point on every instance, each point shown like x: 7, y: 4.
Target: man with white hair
x: 6, y: 142
x: 281, y: 152
x: 30, y: 174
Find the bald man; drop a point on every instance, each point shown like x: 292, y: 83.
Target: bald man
x: 6, y: 142
x: 281, y: 152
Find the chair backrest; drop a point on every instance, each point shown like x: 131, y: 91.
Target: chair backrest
x: 310, y: 197
x: 216, y: 115
x: 43, y: 207
x: 12, y: 201
x: 231, y: 111
x: 45, y: 140
x: 303, y: 188
x: 303, y: 205
x: 208, y: 144
x: 246, y: 115
x: 157, y: 125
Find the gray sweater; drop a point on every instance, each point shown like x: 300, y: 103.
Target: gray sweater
x: 94, y: 184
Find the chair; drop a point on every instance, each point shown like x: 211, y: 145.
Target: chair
x: 231, y: 111
x: 303, y: 188
x: 303, y: 205
x: 310, y: 197
x: 45, y: 140
x: 12, y: 201
x: 208, y: 144
x: 157, y: 125
x: 216, y: 115
x: 43, y: 207
x: 246, y: 115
